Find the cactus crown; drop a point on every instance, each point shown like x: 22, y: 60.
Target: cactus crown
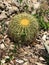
x: 24, y: 22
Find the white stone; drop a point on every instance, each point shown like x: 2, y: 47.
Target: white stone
x: 41, y: 58
x: 6, y: 56
x: 3, y: 16
x: 45, y: 32
x: 5, y: 36
x: 2, y: 46
x: 19, y: 61
x: 36, y: 5
x: 44, y: 37
x: 3, y: 61
x: 25, y: 52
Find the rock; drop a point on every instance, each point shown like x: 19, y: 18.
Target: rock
x: 11, y: 47
x: 26, y: 63
x: 7, y: 22
x: 21, y: 49
x: 0, y: 11
x: 44, y: 5
x: 25, y: 53
x: 5, y: 64
x: 3, y: 16
x: 7, y: 5
x: 1, y: 36
x: 8, y: 1
x: 36, y: 5
x: 38, y: 63
x: 2, y: 41
x: 25, y: 59
x: 34, y: 12
x: 47, y: 38
x: 42, y: 59
x: 3, y: 61
x: 15, y: 8
x: 0, y: 26
x: 2, y: 6
x: 7, y: 41
x: 2, y: 46
x: 44, y: 37
x: 46, y: 45
x: 32, y: 60
x: 45, y: 19
x: 11, y: 62
x: 5, y: 36
x: 30, y: 8
x: 7, y: 57
x: 15, y: 3
x: 39, y: 46
x: 11, y: 10
x: 19, y: 61
x: 28, y: 47
x: 0, y: 29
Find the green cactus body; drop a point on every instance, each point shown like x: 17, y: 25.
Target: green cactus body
x: 23, y: 28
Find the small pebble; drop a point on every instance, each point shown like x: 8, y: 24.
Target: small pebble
x: 2, y: 46
x: 19, y: 61
x: 3, y: 61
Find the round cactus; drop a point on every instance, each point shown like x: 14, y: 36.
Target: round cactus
x: 23, y: 28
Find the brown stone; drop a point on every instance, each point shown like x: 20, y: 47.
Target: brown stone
x: 1, y: 36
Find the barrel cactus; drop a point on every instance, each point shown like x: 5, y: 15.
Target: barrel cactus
x: 23, y: 28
